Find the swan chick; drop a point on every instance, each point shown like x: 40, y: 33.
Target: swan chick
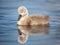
x: 24, y: 19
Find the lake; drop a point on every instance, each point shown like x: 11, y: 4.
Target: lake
x: 10, y: 33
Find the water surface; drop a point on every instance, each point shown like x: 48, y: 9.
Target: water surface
x: 8, y: 22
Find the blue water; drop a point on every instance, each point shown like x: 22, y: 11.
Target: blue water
x: 8, y: 21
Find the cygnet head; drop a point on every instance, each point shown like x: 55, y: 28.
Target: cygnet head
x: 22, y: 11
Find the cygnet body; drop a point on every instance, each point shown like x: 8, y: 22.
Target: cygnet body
x: 24, y: 19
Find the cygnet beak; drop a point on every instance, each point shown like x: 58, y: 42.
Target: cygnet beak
x: 19, y: 17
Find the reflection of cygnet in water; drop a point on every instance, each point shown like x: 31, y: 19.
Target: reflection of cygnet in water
x: 24, y: 30
x: 39, y: 30
x: 23, y: 35
x: 24, y: 19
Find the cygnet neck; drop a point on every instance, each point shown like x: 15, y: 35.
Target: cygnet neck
x: 20, y: 16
